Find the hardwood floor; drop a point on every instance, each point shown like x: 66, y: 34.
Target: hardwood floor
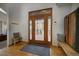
x: 14, y: 50
x: 57, y: 51
x: 68, y: 49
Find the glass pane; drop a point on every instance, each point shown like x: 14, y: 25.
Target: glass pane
x: 49, y: 29
x: 30, y: 29
x: 39, y: 29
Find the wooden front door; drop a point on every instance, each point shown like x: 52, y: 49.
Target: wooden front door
x: 40, y: 29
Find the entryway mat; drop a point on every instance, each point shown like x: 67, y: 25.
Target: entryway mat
x: 36, y: 49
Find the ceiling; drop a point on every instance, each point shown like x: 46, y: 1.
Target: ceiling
x: 14, y: 9
x: 64, y: 4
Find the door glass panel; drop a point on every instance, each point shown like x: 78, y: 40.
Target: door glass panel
x: 30, y: 29
x: 49, y: 29
x: 39, y: 29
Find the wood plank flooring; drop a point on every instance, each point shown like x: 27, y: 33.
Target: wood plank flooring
x: 14, y: 50
x: 68, y: 50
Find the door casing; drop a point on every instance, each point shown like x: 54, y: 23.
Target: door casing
x: 33, y: 18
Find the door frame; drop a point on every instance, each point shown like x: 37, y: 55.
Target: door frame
x: 50, y: 43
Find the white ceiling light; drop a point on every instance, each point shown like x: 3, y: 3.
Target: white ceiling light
x: 3, y: 11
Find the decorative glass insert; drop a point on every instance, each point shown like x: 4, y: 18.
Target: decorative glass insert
x: 30, y: 29
x: 49, y: 28
x: 39, y: 29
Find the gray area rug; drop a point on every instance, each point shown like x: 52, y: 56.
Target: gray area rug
x: 36, y: 49
x: 3, y: 44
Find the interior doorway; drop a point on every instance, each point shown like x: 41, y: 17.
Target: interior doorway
x: 40, y: 26
x: 3, y: 29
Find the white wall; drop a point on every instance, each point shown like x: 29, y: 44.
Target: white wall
x: 58, y: 16
x: 75, y: 6
x: 59, y: 12
x: 13, y: 27
x: 24, y: 16
x: 31, y: 7
x: 19, y: 13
